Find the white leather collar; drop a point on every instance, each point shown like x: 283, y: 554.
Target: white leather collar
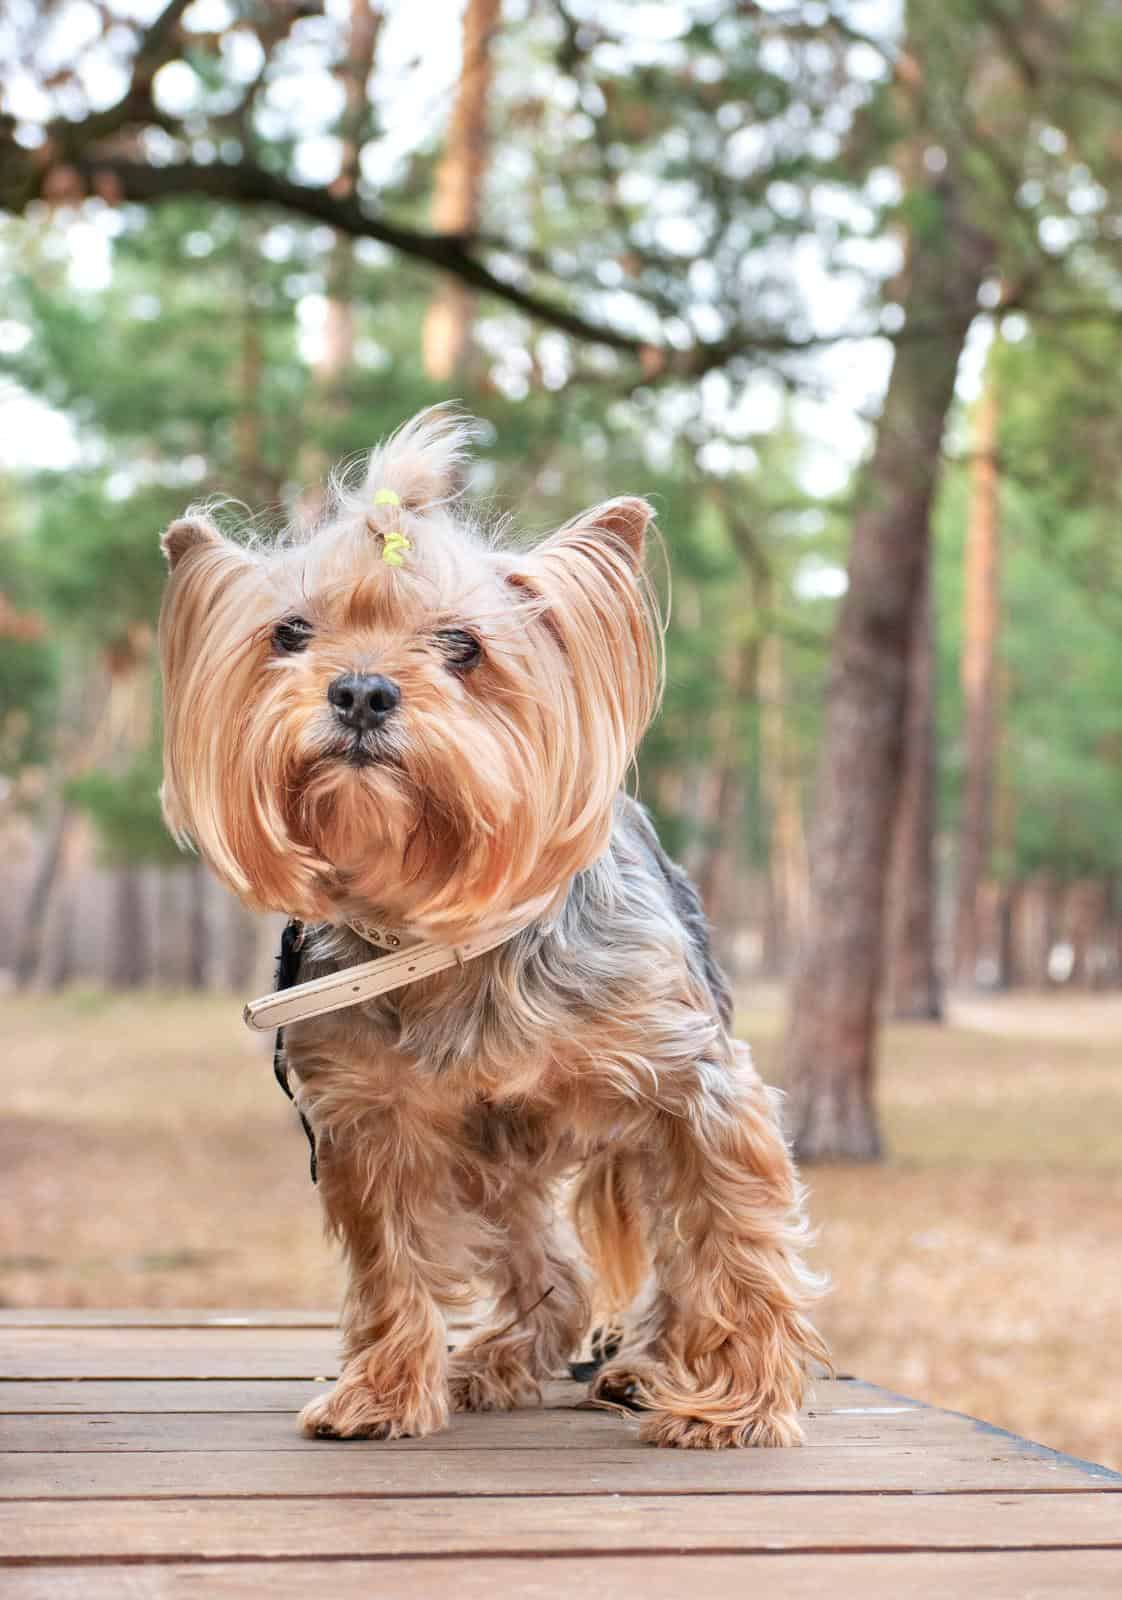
x: 407, y: 960
x: 385, y: 938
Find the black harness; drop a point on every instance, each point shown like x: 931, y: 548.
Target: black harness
x: 288, y: 974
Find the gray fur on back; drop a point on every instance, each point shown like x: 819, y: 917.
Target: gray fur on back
x: 687, y: 903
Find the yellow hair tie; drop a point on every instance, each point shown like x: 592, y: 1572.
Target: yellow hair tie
x: 393, y: 547
x: 394, y: 543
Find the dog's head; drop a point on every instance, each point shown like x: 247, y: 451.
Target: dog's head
x: 393, y: 710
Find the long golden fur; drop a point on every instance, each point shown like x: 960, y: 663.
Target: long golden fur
x: 594, y: 1045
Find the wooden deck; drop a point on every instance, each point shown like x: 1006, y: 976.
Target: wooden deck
x: 156, y: 1455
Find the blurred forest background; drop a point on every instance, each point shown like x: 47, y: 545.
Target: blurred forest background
x: 838, y: 284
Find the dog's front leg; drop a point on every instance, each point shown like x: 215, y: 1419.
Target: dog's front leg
x: 384, y: 1192
x: 731, y: 1341
x: 541, y: 1303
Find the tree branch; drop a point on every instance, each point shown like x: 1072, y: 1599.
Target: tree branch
x: 157, y: 46
x: 28, y: 176
x: 246, y: 183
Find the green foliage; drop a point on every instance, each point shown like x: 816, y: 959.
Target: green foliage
x: 664, y: 181
x: 98, y: 567
x: 162, y: 392
x: 127, y: 813
x: 1061, y: 627
x: 28, y: 690
x: 29, y: 666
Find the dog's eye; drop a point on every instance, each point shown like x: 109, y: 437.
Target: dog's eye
x: 292, y: 635
x: 461, y: 650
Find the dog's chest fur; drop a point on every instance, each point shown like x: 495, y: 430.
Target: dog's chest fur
x: 535, y: 1021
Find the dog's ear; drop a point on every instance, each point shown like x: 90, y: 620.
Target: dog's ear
x: 586, y: 585
x: 624, y: 521
x: 597, y: 557
x: 187, y: 534
x: 591, y: 629
x: 423, y: 462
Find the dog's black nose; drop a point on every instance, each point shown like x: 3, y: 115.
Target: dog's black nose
x: 362, y: 700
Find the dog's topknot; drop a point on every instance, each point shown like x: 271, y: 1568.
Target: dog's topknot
x: 423, y: 462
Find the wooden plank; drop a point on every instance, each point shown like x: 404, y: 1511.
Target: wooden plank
x: 95, y: 1412
x: 125, y: 1395
x: 172, y: 1352
x: 531, y: 1428
x: 35, y: 1354
x: 167, y: 1530
x: 163, y: 1317
x: 625, y: 1467
x: 1086, y: 1574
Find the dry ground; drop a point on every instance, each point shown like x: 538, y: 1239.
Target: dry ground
x: 147, y: 1158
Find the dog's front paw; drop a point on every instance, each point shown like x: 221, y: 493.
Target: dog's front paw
x: 353, y: 1415
x: 620, y: 1384
x: 676, y: 1432
x: 359, y: 1409
x: 490, y: 1381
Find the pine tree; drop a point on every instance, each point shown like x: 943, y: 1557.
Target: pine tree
x: 980, y: 667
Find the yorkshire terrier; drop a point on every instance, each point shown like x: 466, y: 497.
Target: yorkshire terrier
x: 398, y: 719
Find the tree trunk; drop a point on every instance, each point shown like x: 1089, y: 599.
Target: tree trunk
x: 251, y: 368
x: 1085, y: 908
x: 29, y: 948
x: 129, y: 966
x: 459, y: 187
x: 84, y: 730
x: 62, y: 959
x: 914, y: 992
x: 981, y: 621
x: 717, y: 871
x: 63, y: 947
x: 354, y: 74
x: 197, y: 929
x: 336, y: 354
x: 830, y: 1045
x: 1035, y: 919
x: 787, y: 857
x: 241, y: 947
